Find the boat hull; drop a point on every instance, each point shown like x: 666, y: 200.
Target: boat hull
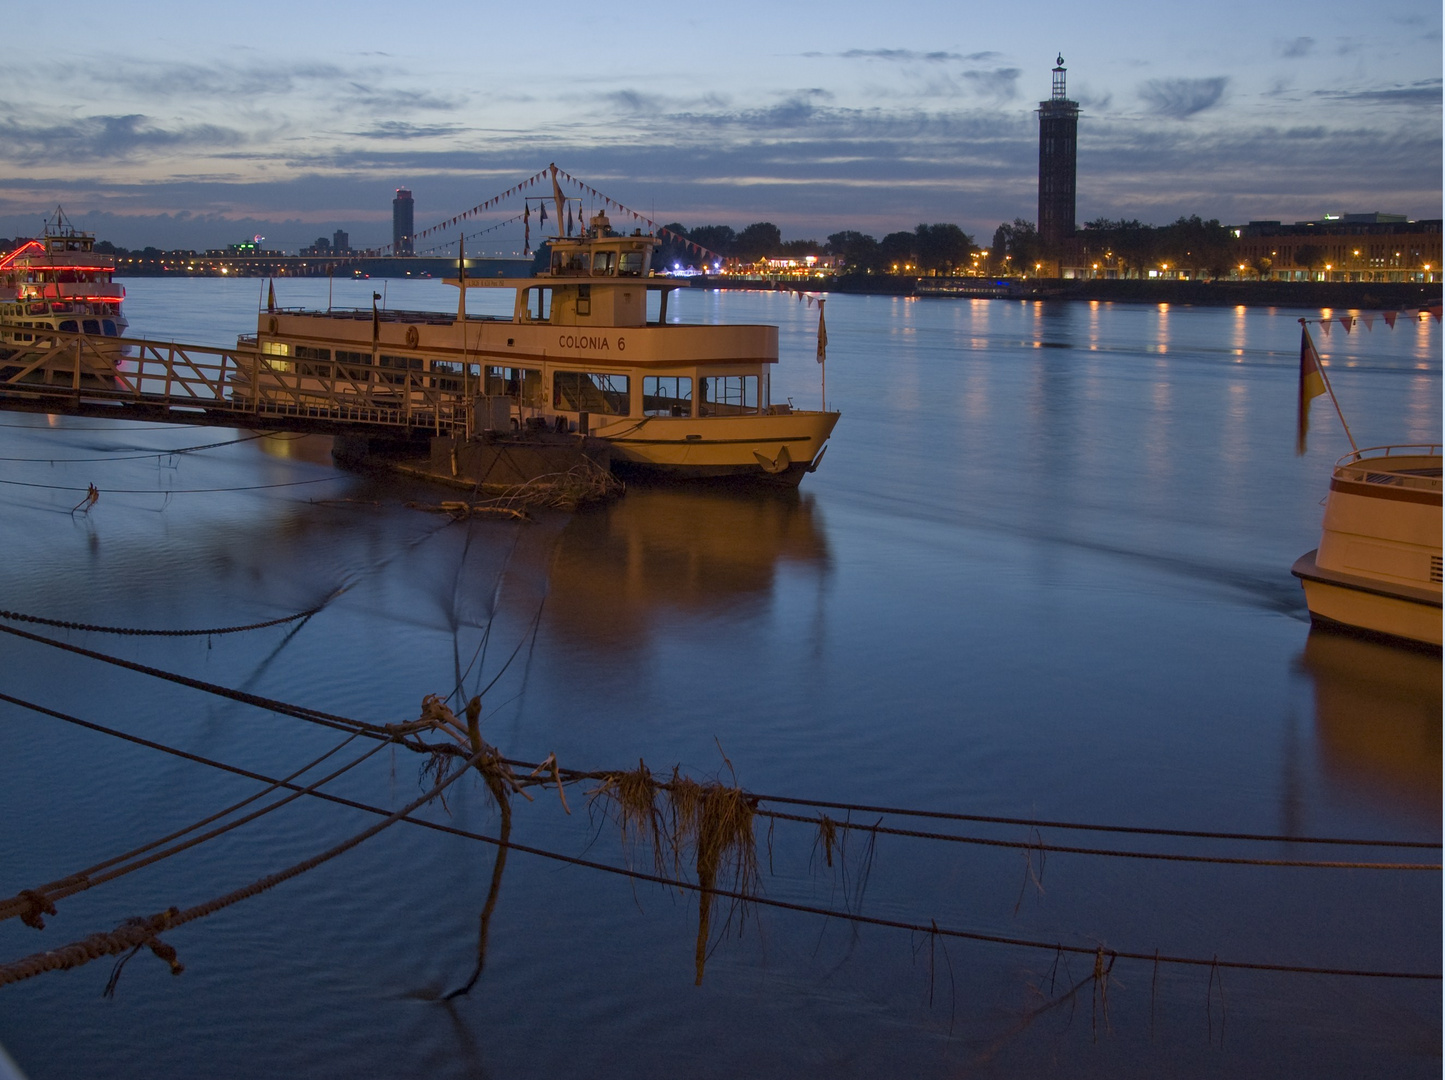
x: 773, y: 449
x: 1355, y: 603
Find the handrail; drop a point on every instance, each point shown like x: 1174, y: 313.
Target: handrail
x: 1429, y: 449
x: 241, y: 380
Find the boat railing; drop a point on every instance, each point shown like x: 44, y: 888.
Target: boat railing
x: 1373, y: 465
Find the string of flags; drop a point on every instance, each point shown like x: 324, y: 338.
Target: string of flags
x: 657, y: 229
x: 472, y: 236
x: 1349, y: 322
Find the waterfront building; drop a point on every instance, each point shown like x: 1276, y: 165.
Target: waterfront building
x: 402, y: 227
x: 340, y: 240
x: 1058, y: 151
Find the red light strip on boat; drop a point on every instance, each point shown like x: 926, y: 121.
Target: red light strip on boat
x: 5, y: 262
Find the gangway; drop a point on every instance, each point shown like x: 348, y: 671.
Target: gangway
x: 77, y: 374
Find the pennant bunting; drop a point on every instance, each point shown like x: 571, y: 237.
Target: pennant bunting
x: 1347, y: 323
x: 1369, y: 321
x: 1389, y: 318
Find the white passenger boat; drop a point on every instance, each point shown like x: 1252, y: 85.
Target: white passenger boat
x: 1378, y: 568
x: 58, y: 282
x: 579, y: 353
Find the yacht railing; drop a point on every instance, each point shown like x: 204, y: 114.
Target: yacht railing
x: 1372, y: 465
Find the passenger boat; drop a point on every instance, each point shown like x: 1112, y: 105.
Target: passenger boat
x: 1378, y: 567
x: 58, y: 282
x: 579, y: 353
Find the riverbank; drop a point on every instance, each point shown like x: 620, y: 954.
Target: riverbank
x: 1307, y: 294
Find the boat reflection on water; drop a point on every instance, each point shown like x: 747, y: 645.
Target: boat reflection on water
x: 621, y: 569
x: 1377, y: 719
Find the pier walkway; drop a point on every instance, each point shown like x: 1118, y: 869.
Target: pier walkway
x: 76, y: 374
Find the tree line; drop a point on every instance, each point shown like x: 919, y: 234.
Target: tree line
x: 940, y: 248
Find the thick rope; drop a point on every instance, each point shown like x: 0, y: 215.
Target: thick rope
x: 144, y: 931
x: 25, y: 903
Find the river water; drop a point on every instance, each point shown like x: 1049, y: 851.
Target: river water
x: 1043, y: 573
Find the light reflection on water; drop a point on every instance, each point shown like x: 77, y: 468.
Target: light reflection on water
x: 1042, y: 572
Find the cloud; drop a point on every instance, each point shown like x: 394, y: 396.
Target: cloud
x: 1181, y: 98
x: 1000, y: 83
x: 34, y: 140
x: 907, y: 56
x: 400, y: 129
x: 1297, y: 47
x: 1425, y: 92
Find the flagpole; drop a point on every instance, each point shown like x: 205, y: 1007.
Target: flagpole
x: 1324, y: 378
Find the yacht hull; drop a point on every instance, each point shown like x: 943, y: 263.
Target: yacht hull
x: 1350, y: 602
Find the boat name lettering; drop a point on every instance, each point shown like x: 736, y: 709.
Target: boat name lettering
x: 594, y: 342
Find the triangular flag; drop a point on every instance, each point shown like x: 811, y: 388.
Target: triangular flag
x: 1436, y: 311
x: 1369, y: 321
x: 1325, y: 326
x: 1347, y: 323
x: 1389, y: 318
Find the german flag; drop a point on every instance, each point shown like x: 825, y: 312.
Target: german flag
x: 1311, y: 384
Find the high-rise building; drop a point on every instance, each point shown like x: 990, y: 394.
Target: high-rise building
x: 1058, y: 151
x: 402, y: 226
x: 340, y: 240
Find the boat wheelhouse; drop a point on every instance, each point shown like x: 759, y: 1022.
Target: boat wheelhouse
x: 58, y: 282
x: 581, y: 352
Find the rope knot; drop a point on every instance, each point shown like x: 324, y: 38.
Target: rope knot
x: 37, y: 904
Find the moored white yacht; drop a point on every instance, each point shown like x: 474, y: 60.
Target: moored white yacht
x: 1377, y: 568
x: 578, y: 354
x: 1378, y: 564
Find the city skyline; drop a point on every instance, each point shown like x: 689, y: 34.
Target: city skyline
x: 191, y: 130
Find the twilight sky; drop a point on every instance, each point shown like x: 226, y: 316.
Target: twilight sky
x: 182, y: 124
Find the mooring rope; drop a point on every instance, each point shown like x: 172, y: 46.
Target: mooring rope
x: 29, y: 904
x: 1038, y: 823
x: 219, y: 631
x: 394, y: 732
x: 144, y: 931
x: 83, y: 949
x: 139, y: 455
x: 179, y: 491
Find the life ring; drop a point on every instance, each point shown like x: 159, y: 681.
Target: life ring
x: 271, y: 324
x: 412, y: 337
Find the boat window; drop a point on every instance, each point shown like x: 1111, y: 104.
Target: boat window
x: 276, y: 348
x: 631, y: 265
x: 442, y: 367
x: 579, y: 391
x: 67, y: 325
x: 398, y: 366
x: 524, y: 384
x: 307, y: 352
x: 729, y: 396
x: 604, y: 263
x: 92, y: 326
x: 667, y: 395
x: 358, y: 366
x: 584, y: 299
x: 108, y: 325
